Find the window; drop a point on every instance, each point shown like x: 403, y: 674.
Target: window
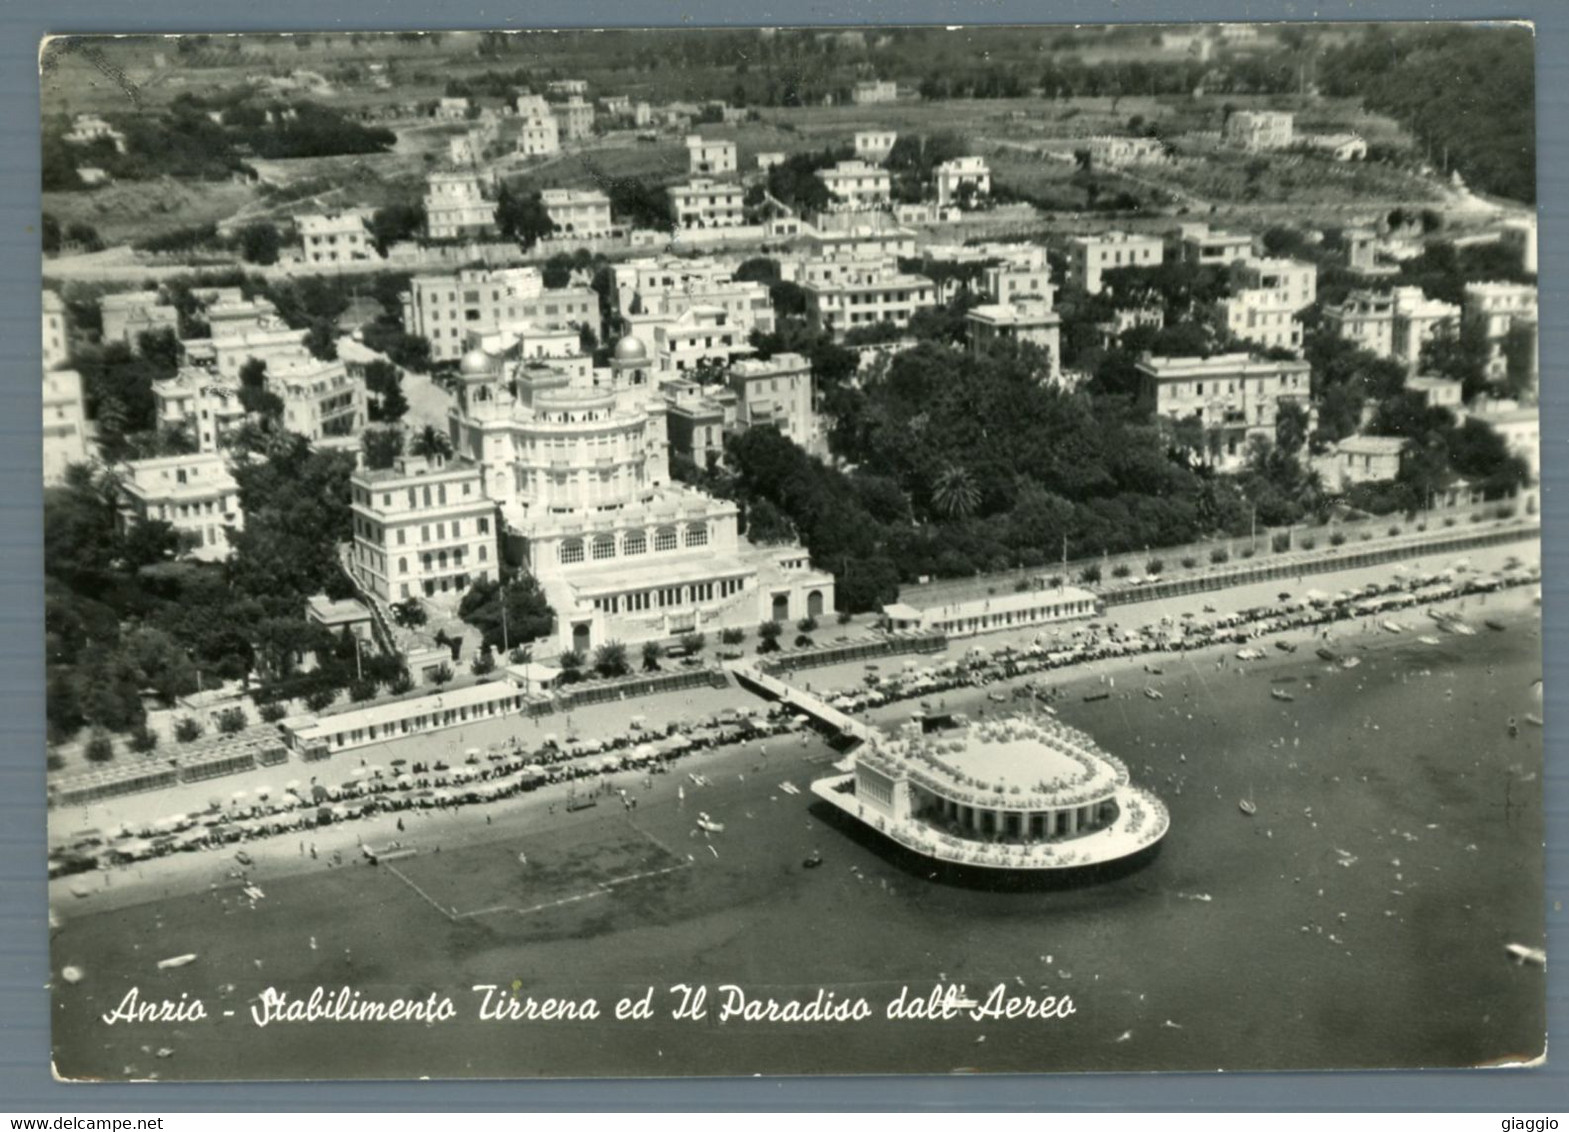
x: 697, y: 534
x: 571, y: 551
x: 604, y: 546
x: 665, y: 539
x: 403, y: 565
x: 636, y: 542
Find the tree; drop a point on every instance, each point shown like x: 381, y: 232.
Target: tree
x: 259, y: 243
x: 100, y: 747
x: 571, y: 663
x: 651, y: 655
x: 522, y: 216
x: 381, y: 447
x: 321, y: 698
x: 384, y: 384
x: 442, y: 675
x: 1291, y: 424
x: 431, y: 444
x: 484, y: 661
x: 187, y: 730
x: 769, y: 631
x: 362, y: 690
x: 144, y: 740
x: 231, y: 721
x: 396, y: 223
x: 528, y: 613
x: 400, y: 683
x: 955, y: 494
x: 409, y: 613
x: 692, y: 643
x: 272, y: 712
x: 610, y: 659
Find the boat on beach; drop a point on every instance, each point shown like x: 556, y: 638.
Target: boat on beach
x: 1327, y: 656
x: 1153, y: 694
x: 1350, y: 662
x: 1495, y: 626
x: 1282, y: 694
x: 1247, y: 807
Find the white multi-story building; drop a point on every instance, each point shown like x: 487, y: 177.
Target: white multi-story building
x: 1365, y: 319
x: 702, y: 203
x: 1257, y: 130
x: 1108, y: 152
x: 89, y: 128
x: 423, y: 528
x: 951, y: 176
x: 857, y: 185
x: 874, y: 145
x: 1263, y: 317
x: 452, y: 109
x: 205, y: 404
x: 747, y: 304
x: 697, y: 335
x: 1089, y: 257
x: 778, y: 392
x: 1020, y: 279
x: 714, y: 157
x: 444, y: 308
x: 1023, y: 320
x: 1519, y: 425
x: 130, y: 314
x: 650, y: 275
x: 575, y: 119
x: 1361, y: 459
x: 320, y: 399
x: 874, y: 90
x: 1226, y: 399
x: 578, y: 212
x: 456, y: 207
x: 195, y: 494
x: 340, y: 237
x: 1499, y: 307
x: 56, y: 331
x: 538, y: 132
x: 268, y: 339
x: 766, y: 161
x: 1296, y: 280
x: 570, y: 88
x: 581, y: 475
x: 867, y: 299
x: 64, y: 423
x: 1439, y: 393
x: 1204, y: 247
x: 1418, y: 319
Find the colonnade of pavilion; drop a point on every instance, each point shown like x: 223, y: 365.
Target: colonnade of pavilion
x: 1025, y: 824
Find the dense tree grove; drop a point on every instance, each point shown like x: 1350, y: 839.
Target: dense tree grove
x: 528, y: 615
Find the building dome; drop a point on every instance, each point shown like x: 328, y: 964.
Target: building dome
x: 631, y: 349
x: 476, y: 361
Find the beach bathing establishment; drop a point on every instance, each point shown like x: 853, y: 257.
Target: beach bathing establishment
x: 1015, y: 793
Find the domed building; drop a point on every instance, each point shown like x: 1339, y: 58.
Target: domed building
x: 1015, y: 793
x: 578, y: 463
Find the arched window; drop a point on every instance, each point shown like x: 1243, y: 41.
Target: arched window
x: 665, y: 538
x: 571, y: 550
x: 604, y: 546
x: 697, y: 534
x: 636, y: 542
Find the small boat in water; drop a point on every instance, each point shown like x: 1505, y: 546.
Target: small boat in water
x: 1522, y: 954
x: 709, y: 825
x: 1285, y: 646
x: 1247, y: 807
x: 1327, y: 656
x: 1495, y: 626
x: 1153, y: 694
x: 1392, y: 627
x: 1430, y: 640
x: 1534, y: 720
x: 177, y: 961
x: 1092, y: 697
x: 814, y: 861
x: 1462, y: 628
x: 1282, y: 694
x: 1350, y: 662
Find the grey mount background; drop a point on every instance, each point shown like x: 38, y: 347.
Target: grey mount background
x: 26, y: 1085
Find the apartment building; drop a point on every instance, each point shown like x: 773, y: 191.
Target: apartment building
x: 1225, y: 400
x: 780, y: 393
x: 699, y: 334
x: 456, y: 207
x: 340, y: 237
x: 205, y: 404
x: 1089, y: 257
x: 1366, y: 319
x: 1204, y: 247
x: 1022, y: 320
x: 574, y: 118
x: 702, y: 203
x: 1418, y: 319
x: 867, y: 299
x: 128, y: 315
x: 320, y: 399
x: 64, y: 423
x: 578, y: 212
x: 194, y: 494
x: 874, y: 90
x: 951, y: 176
x: 538, y: 131
x: 56, y: 331
x: 714, y: 157
x: 1259, y: 130
x: 857, y: 185
x: 1498, y: 308
x: 423, y: 528
x: 1266, y: 318
x: 443, y: 308
x: 1107, y: 152
x: 874, y: 145
x: 1296, y: 280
